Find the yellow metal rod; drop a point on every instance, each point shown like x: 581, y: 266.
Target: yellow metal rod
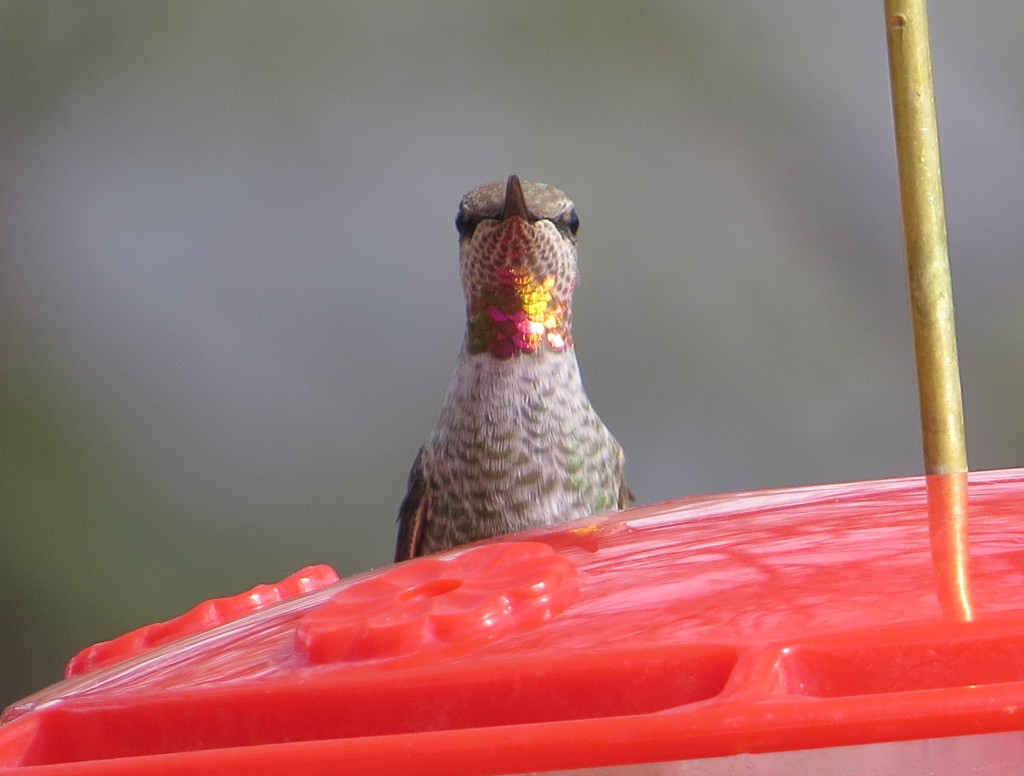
x: 950, y: 545
x: 924, y: 229
x: 931, y: 302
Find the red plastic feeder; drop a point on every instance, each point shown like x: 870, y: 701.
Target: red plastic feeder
x: 809, y: 630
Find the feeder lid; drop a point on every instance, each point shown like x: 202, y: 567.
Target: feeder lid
x: 737, y: 632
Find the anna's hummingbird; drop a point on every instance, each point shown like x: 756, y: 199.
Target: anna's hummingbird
x: 517, y: 444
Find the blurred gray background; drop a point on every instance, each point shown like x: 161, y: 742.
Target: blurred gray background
x: 229, y: 300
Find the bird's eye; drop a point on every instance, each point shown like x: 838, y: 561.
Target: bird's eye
x: 465, y: 224
x: 569, y: 221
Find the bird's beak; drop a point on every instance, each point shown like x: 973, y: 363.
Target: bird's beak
x: 515, y: 202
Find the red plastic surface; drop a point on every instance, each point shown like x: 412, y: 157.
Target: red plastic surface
x: 439, y: 605
x: 707, y: 627
x: 205, y: 616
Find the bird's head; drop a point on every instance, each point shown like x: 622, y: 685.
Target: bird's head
x: 517, y: 253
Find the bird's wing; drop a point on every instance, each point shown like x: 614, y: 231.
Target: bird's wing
x: 413, y: 513
x: 625, y: 494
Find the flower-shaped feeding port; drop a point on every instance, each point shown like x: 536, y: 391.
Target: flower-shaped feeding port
x: 205, y: 616
x: 433, y: 604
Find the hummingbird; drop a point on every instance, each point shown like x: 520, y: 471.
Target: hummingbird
x: 517, y: 444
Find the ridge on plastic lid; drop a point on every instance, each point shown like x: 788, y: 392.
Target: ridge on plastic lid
x: 431, y: 604
x: 205, y: 616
